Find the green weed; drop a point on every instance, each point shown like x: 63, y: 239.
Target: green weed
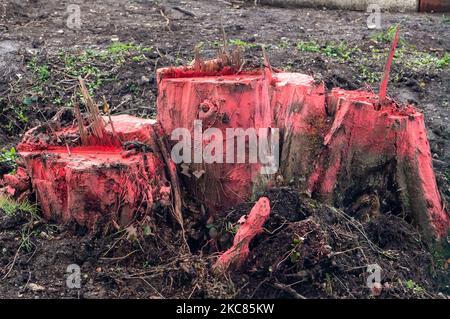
x: 9, y: 157
x: 11, y: 207
x: 242, y: 44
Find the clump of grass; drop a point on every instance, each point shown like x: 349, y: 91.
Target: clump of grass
x: 446, y: 19
x: 44, y: 73
x: 119, y: 47
x: 84, y: 64
x: 11, y: 207
x: 308, y: 46
x: 444, y: 61
x: 418, y: 60
x: 119, y: 50
x: 408, y: 55
x: 90, y: 61
x: 368, y: 75
x: 95, y: 64
x: 386, y: 36
x: 242, y: 44
x: 340, y: 51
x: 41, y: 70
x: 8, y: 158
x: 411, y: 285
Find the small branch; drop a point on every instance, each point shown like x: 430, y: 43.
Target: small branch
x: 119, y: 258
x: 175, y: 183
x: 167, y: 19
x: 289, y: 290
x: 186, y: 12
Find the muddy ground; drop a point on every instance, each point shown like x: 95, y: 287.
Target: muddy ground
x: 117, y: 49
x: 307, y: 250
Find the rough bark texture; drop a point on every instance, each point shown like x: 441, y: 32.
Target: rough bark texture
x: 299, y: 111
x: 382, y: 149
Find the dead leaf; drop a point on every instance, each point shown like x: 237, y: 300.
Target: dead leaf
x: 131, y: 233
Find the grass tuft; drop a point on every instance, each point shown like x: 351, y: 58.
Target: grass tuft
x: 11, y: 207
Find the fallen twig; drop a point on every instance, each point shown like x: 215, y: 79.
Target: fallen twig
x: 186, y: 12
x: 175, y: 183
x: 119, y: 258
x: 167, y: 19
x: 289, y: 290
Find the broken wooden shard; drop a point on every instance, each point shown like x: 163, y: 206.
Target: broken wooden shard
x: 96, y: 122
x: 387, y: 68
x: 249, y: 227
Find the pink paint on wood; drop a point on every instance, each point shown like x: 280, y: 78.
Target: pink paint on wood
x: 384, y: 82
x: 251, y: 226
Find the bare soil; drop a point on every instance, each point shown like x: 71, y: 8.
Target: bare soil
x: 308, y: 249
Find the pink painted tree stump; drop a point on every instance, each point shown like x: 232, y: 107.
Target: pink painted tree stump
x: 373, y: 147
x: 96, y: 184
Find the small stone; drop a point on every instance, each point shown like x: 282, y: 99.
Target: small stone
x: 213, y: 233
x: 144, y: 79
x: 36, y: 287
x: 376, y: 289
x: 126, y: 98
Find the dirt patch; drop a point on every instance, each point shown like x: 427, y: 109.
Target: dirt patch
x: 127, y: 264
x: 307, y: 249
x: 316, y: 251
